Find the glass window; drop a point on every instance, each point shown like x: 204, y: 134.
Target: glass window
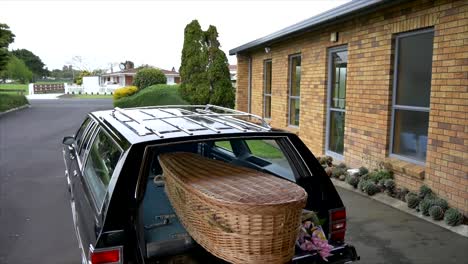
x: 87, y: 139
x: 412, y: 88
x: 102, y: 159
x: 267, y: 89
x: 337, y: 65
x: 81, y: 130
x: 226, y: 145
x: 294, y: 89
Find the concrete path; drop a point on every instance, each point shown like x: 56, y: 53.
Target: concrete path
x: 382, y: 234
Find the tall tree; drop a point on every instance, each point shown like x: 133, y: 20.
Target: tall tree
x: 195, y: 85
x: 17, y: 70
x: 221, y: 90
x: 6, y: 37
x: 31, y: 60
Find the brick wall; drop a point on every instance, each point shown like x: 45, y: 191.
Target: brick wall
x: 370, y: 42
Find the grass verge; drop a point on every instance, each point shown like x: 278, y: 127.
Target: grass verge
x: 10, y: 101
x: 10, y: 86
x: 259, y: 148
x: 160, y: 94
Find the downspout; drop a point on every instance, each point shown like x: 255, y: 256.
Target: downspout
x: 249, y: 87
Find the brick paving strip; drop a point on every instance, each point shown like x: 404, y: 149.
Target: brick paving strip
x: 400, y: 205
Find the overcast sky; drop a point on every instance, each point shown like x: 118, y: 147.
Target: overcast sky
x: 145, y: 32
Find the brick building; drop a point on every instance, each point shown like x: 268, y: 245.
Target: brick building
x: 371, y: 81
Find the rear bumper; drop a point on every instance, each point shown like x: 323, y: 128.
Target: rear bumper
x: 341, y: 254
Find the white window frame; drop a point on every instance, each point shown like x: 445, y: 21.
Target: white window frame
x: 293, y: 97
x: 265, y: 95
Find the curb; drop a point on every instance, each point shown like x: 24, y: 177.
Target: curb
x: 400, y: 205
x: 15, y: 109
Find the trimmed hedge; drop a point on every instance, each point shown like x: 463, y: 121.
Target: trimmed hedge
x: 147, y: 77
x: 160, y: 94
x: 10, y: 101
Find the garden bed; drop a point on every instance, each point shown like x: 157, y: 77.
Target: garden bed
x: 379, y: 185
x: 11, y: 101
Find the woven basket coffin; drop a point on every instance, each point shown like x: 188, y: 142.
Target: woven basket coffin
x: 237, y: 214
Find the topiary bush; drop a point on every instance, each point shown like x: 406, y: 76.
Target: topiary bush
x: 403, y: 192
x: 124, y: 92
x: 390, y: 185
x: 436, y: 212
x: 379, y: 175
x: 412, y: 200
x: 149, y: 76
x: 453, y: 217
x: 352, y: 180
x: 425, y: 205
x: 363, y: 170
x: 424, y: 190
x: 363, y: 184
x: 442, y: 203
x: 372, y: 189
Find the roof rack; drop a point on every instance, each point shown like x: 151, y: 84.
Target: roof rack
x: 195, y: 114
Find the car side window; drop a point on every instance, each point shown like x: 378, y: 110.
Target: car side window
x: 88, y: 136
x: 80, y: 133
x: 103, y: 156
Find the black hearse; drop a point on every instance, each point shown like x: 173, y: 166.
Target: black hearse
x: 120, y: 211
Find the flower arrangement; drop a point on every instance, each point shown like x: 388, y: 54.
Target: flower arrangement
x: 311, y: 236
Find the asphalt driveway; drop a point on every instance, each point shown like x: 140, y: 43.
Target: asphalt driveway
x: 35, y: 216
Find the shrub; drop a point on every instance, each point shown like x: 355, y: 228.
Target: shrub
x: 365, y: 177
x: 425, y: 205
x: 424, y: 190
x: 441, y: 203
x: 9, y: 101
x: 363, y: 170
x: 390, y: 185
x: 352, y: 180
x: 124, y: 92
x: 342, y: 177
x: 436, y: 212
x: 403, y: 192
x: 325, y: 160
x: 337, y: 172
x: 149, y: 76
x: 363, y: 184
x: 372, y: 189
x: 342, y: 165
x: 412, y: 199
x: 453, y: 217
x: 382, y: 174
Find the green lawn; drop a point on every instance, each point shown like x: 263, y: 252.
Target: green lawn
x: 258, y: 147
x: 9, y: 101
x: 10, y: 86
x: 160, y: 94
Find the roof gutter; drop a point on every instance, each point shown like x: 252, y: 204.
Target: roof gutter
x: 331, y: 16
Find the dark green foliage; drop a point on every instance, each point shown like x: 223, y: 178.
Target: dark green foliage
x: 403, y: 192
x: 32, y: 61
x: 154, y: 95
x: 342, y: 165
x: 147, y: 77
x: 382, y: 174
x: 195, y: 87
x: 325, y: 160
x: 389, y: 184
x: 17, y: 70
x: 337, y: 171
x: 381, y: 183
x: 372, y: 189
x: 79, y: 78
x: 204, y: 69
x: 441, y: 203
x: 424, y: 206
x: 352, y: 180
x: 363, y: 170
x: 6, y: 37
x: 365, y: 177
x: 363, y: 184
x: 221, y: 90
x: 436, y: 212
x: 412, y: 199
x: 424, y: 190
x: 453, y: 217
x: 9, y: 101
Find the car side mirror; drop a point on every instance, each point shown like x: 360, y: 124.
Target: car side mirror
x: 68, y: 141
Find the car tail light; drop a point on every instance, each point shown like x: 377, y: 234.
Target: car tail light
x: 337, y: 228
x: 106, y: 255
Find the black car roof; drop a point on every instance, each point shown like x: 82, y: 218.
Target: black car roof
x: 144, y: 124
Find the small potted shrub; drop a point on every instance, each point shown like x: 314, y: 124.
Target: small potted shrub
x: 453, y: 217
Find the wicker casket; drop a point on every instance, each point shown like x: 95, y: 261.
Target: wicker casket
x: 237, y: 214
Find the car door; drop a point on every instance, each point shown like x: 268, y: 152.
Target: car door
x: 100, y: 154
